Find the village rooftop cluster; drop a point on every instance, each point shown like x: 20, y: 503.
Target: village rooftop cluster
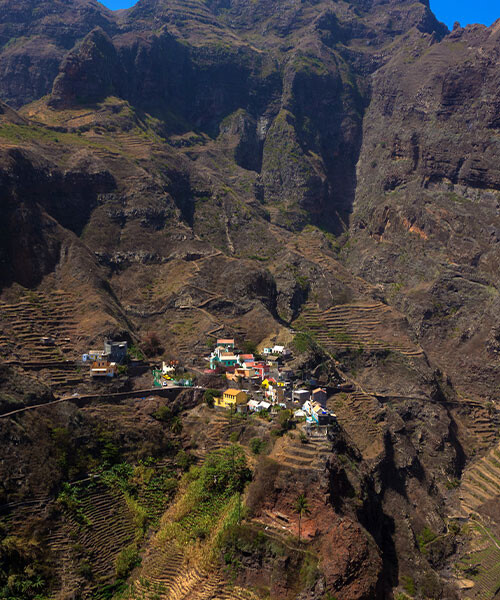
x: 266, y: 384
x: 255, y: 384
x: 104, y: 363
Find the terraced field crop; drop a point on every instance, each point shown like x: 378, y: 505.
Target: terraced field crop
x: 292, y: 453
x: 481, y: 481
x: 41, y: 315
x: 479, y: 420
x: 357, y: 326
x: 360, y: 415
x: 180, y: 563
x: 482, y: 564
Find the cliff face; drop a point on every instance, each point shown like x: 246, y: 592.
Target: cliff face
x: 245, y: 168
x: 427, y: 189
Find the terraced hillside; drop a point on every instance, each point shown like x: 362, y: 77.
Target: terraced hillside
x: 100, y: 527
x: 481, y: 481
x: 35, y: 316
x: 309, y: 457
x: 368, y: 326
x: 181, y: 561
x: 168, y: 575
x: 39, y: 315
x: 480, y: 420
x: 480, y: 567
x: 361, y: 416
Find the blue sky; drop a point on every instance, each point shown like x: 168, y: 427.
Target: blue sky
x: 448, y: 11
x: 466, y: 11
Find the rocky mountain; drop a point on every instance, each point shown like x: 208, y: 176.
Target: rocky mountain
x: 323, y: 169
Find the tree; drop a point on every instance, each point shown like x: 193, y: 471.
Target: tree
x: 152, y: 344
x: 176, y: 425
x: 209, y: 396
x: 301, y: 507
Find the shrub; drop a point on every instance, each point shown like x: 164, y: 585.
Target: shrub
x: 303, y: 342
x: 408, y: 585
x: 249, y: 347
x: 164, y: 413
x: 225, y: 472
x: 209, y: 396
x: 425, y: 537
x: 135, y: 352
x: 183, y: 460
x: 256, y: 445
x: 263, y: 482
x: 176, y: 425
x: 126, y: 561
x: 85, y: 569
x: 122, y: 369
x: 152, y: 345
x: 431, y: 587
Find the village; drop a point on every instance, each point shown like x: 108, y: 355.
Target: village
x: 263, y: 384
x: 236, y: 376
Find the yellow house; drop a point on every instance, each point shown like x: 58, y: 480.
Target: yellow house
x: 231, y: 398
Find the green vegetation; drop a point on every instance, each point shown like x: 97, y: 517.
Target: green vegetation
x: 340, y: 336
x: 259, y: 258
x: 23, y: 572
x: 209, y: 396
x: 69, y: 499
x: 409, y: 585
x: 425, y: 537
x: 309, y: 64
x: 301, y: 507
x: 133, y: 352
x: 309, y: 571
x: 146, y: 488
x: 126, y: 561
x: 164, y: 413
x: 304, y: 341
x: 257, y: 445
x: 183, y: 460
x: 211, y: 493
x: 285, y: 421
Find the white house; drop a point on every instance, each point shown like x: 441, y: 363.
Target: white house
x: 253, y: 405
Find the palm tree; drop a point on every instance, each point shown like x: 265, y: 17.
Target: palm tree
x: 176, y: 426
x: 301, y: 507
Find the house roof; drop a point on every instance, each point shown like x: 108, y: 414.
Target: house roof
x: 264, y: 404
x: 225, y: 341
x: 319, y: 390
x: 253, y: 403
x: 233, y: 391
